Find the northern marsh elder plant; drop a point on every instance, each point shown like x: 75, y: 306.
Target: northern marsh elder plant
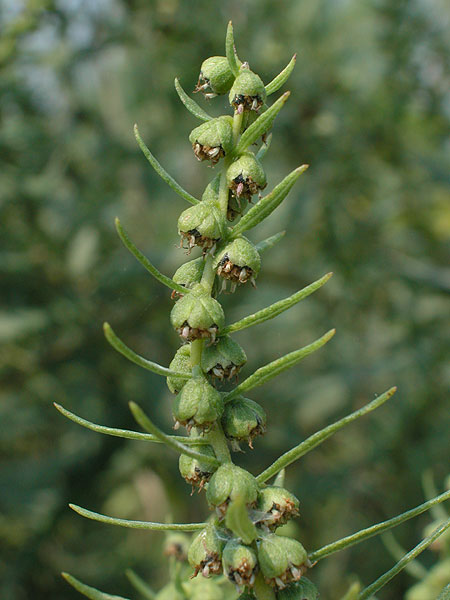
x: 240, y: 540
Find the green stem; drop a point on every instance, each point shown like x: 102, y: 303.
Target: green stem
x: 262, y: 590
x: 237, y: 126
x: 217, y: 440
x: 196, y: 352
x: 208, y: 275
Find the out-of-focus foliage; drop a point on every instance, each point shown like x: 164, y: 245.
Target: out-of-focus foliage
x: 369, y: 111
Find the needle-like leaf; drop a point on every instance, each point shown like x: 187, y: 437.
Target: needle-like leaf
x: 89, y: 591
x: 136, y: 524
x: 230, y: 50
x: 270, y: 241
x: 140, y: 585
x: 262, y: 209
x: 265, y: 146
x: 282, y: 77
x: 262, y: 124
x: 169, y: 440
x: 162, y: 172
x: 369, y: 532
x: 277, y: 308
x: 118, y: 345
x: 372, y: 589
x: 190, y: 104
x: 167, y: 281
x: 414, y: 568
x: 274, y: 368
x: 124, y: 433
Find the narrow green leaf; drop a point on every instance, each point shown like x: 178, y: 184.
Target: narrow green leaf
x: 369, y: 532
x: 190, y: 104
x: 279, y: 479
x: 230, y: 50
x: 445, y: 594
x: 162, y: 172
x: 124, y: 433
x: 136, y: 524
x: 262, y: 209
x: 167, y: 281
x: 265, y: 146
x: 277, y: 308
x: 89, y: 591
x: 270, y: 241
x: 282, y: 77
x: 352, y: 592
x: 262, y: 124
x: 429, y: 487
x: 372, y: 589
x: 169, y: 440
x: 415, y: 569
x: 274, y: 368
x: 140, y: 585
x: 238, y: 521
x: 118, y: 345
x: 320, y: 436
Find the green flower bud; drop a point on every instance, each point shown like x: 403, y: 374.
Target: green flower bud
x: 177, y: 545
x: 242, y: 421
x: 204, y: 589
x: 239, y: 262
x: 197, y: 316
x: 200, y: 225
x: 248, y: 91
x: 197, y: 405
x: 228, y: 483
x: 188, y: 275
x: 223, y: 359
x: 278, y: 504
x: 213, y: 140
x: 246, y: 177
x: 181, y: 363
x: 300, y: 590
x: 211, y: 193
x: 215, y: 75
x: 281, y: 559
x: 239, y: 563
x: 205, y: 552
x: 195, y: 472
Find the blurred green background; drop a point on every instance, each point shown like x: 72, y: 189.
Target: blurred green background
x: 369, y: 112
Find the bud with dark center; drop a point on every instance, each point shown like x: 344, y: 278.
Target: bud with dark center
x: 194, y: 471
x: 238, y: 262
x: 239, y: 563
x: 200, y: 225
x: 278, y: 504
x: 197, y: 405
x: 246, y: 177
x: 223, y: 359
x: 197, y: 316
x: 188, y: 275
x: 242, y: 421
x: 248, y: 91
x: 228, y: 483
x: 177, y: 545
x: 205, y: 552
x: 213, y: 140
x: 215, y: 77
x: 282, y: 560
x: 181, y: 363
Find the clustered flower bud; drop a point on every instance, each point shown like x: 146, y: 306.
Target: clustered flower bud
x: 188, y: 275
x: 197, y: 405
x: 200, y: 225
x: 205, y: 552
x: 242, y: 421
x: 197, y: 316
x: 223, y: 359
x: 181, y: 363
x: 177, y: 545
x: 281, y: 559
x: 216, y: 76
x: 238, y: 262
x: 248, y: 91
x: 213, y: 140
x: 239, y: 563
x: 194, y: 471
x: 246, y: 177
x: 228, y: 483
x: 278, y: 504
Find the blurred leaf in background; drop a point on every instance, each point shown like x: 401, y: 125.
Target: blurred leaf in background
x: 369, y: 111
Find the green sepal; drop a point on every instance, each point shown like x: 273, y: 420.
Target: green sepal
x: 162, y: 172
x: 248, y: 172
x: 226, y: 354
x: 211, y: 193
x: 170, y: 283
x: 238, y: 261
x: 205, y: 552
x: 300, y: 590
x: 181, y: 363
x: 269, y: 203
x: 170, y: 441
x: 278, y: 504
x: 238, y: 521
x: 274, y: 368
x: 198, y: 405
x: 190, y: 104
x: 197, y: 472
x: 189, y: 274
x: 140, y: 585
x: 239, y: 563
x: 276, y: 308
x: 214, y: 133
x: 230, y: 51
x: 202, y: 220
x: 270, y: 242
x: 259, y: 127
x: 89, y: 591
x: 278, y: 554
x: 282, y: 77
x: 243, y: 420
x: 216, y: 73
x: 198, y: 311
x: 228, y: 483
x: 118, y: 345
x: 247, y: 89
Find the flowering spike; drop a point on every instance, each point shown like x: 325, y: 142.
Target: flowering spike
x: 282, y: 77
x: 190, y: 104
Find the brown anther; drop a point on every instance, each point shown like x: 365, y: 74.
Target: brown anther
x: 204, y: 152
x: 243, y: 574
